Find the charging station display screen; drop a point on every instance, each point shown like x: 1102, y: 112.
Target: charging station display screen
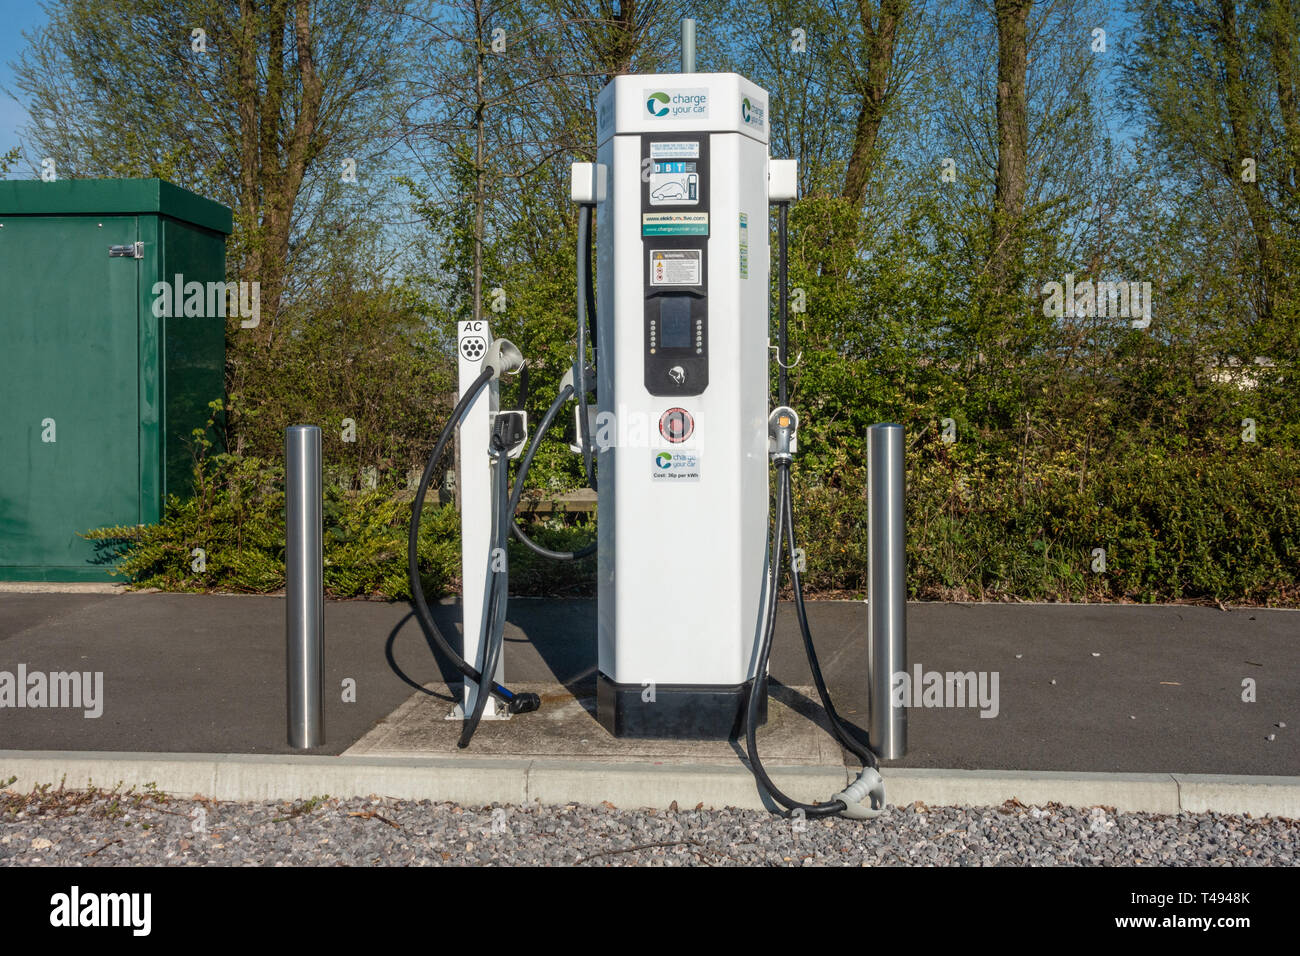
x: 675, y: 322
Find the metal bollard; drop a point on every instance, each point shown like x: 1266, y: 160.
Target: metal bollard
x: 304, y: 586
x: 887, y: 589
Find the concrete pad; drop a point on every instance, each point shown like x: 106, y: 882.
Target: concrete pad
x: 566, y: 728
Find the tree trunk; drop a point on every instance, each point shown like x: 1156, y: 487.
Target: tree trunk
x: 272, y: 273
x: 274, y: 156
x: 1243, y: 146
x: 1013, y: 139
x: 1280, y: 33
x: 624, y: 38
x: 881, y: 28
x: 247, y: 93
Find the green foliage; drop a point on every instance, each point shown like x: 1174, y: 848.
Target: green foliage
x: 361, y: 363
x: 1225, y: 528
x: 236, y: 518
x: 229, y: 536
x: 1071, y: 434
x: 533, y: 574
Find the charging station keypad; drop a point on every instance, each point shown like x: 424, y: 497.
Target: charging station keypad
x: 675, y: 239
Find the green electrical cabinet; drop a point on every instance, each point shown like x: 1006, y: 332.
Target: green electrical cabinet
x: 101, y: 384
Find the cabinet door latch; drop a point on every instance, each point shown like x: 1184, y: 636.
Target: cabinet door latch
x: 132, y: 250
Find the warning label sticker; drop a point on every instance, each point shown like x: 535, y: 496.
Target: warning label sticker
x: 675, y: 267
x: 675, y: 224
x: 675, y: 465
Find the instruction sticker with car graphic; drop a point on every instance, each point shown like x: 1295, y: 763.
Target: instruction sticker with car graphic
x: 674, y: 174
x: 675, y: 465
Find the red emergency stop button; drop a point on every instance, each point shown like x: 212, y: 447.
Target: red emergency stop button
x: 676, y: 425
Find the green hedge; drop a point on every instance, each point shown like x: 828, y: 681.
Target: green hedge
x: 236, y: 518
x: 1222, y: 526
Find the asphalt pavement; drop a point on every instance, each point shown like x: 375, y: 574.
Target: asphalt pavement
x: 1175, y: 689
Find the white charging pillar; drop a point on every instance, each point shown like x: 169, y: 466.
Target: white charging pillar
x: 474, y: 485
x: 682, y: 394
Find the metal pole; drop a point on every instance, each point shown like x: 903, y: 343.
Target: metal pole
x: 887, y: 594
x: 304, y: 587
x: 688, y: 45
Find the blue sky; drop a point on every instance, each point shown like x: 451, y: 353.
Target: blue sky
x: 17, y: 17
x: 23, y: 16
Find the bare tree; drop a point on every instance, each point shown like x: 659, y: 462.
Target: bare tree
x: 251, y: 103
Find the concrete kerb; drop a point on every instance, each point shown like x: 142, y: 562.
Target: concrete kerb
x: 68, y: 587
x: 480, y: 781
x: 1224, y: 793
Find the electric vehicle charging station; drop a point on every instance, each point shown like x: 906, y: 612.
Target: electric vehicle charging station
x: 474, y: 477
x: 682, y: 304
x: 681, y: 435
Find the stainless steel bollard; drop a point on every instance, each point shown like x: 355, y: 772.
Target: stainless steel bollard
x: 688, y: 45
x: 304, y: 586
x: 887, y: 589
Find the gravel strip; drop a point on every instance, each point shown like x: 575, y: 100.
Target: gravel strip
x: 133, y: 828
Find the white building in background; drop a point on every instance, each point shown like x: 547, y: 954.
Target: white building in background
x: 1244, y: 375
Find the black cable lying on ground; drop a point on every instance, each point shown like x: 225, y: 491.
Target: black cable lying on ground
x: 757, y: 688
x: 784, y: 533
